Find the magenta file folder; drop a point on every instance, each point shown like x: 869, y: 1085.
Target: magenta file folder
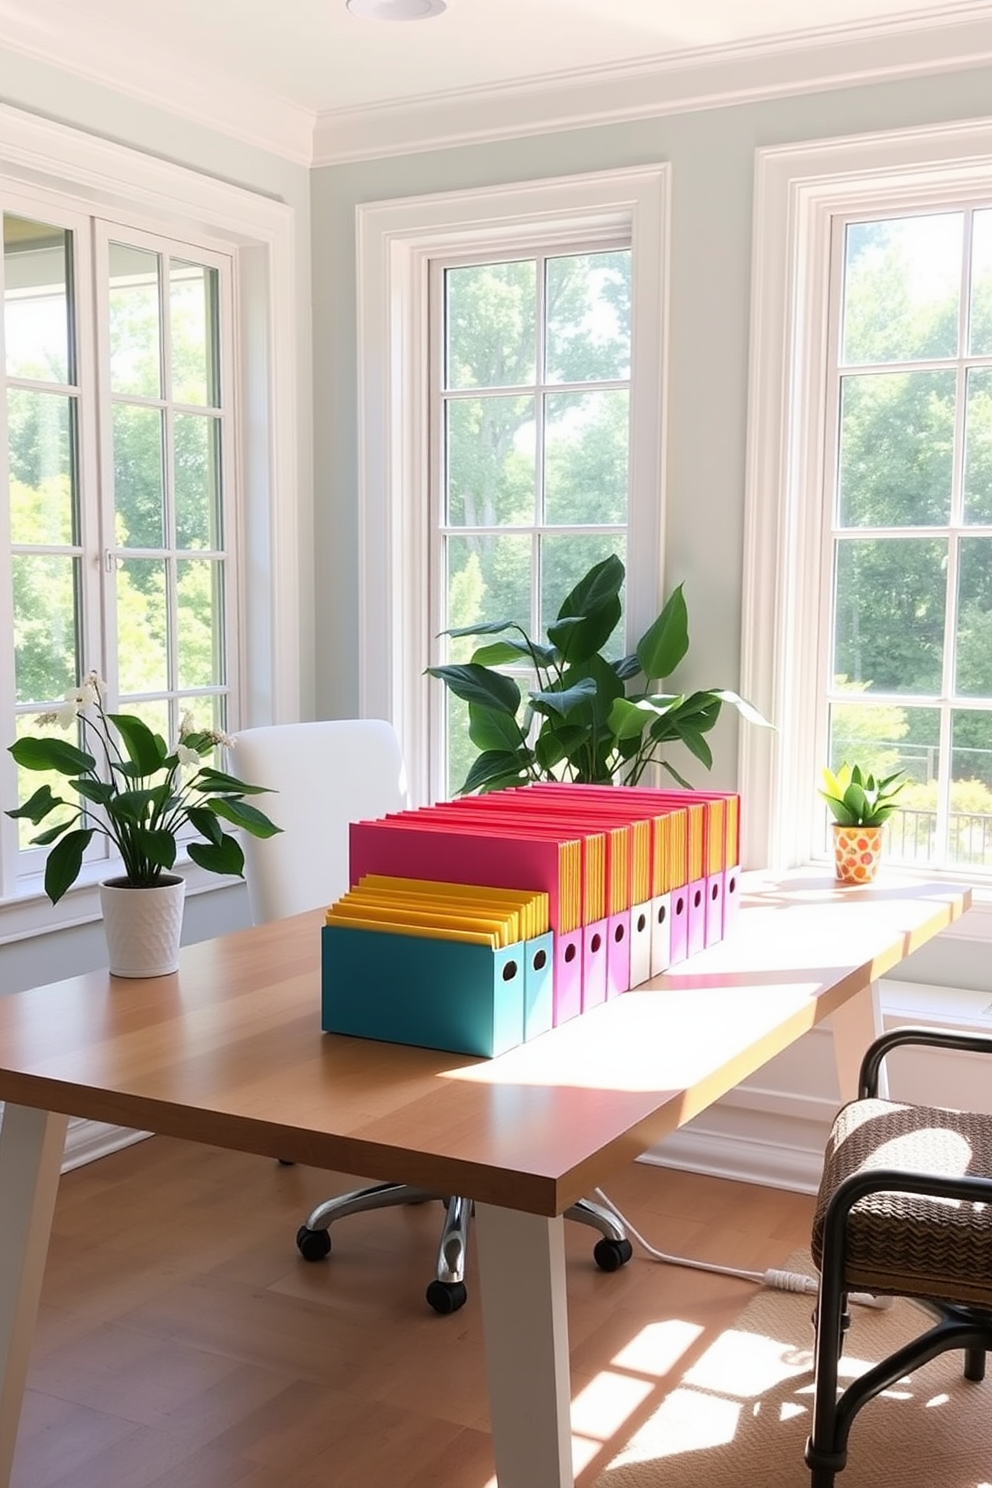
x: 567, y: 994
x: 640, y: 944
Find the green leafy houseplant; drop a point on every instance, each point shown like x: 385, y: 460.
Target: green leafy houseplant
x: 581, y: 723
x: 857, y: 799
x: 135, y: 791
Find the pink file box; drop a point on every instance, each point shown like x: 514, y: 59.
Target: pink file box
x: 567, y: 992
x: 679, y: 925
x: 640, y: 944
x: 696, y: 930
x: 594, y: 942
x: 731, y: 898
x: 714, y: 908
x: 617, y: 954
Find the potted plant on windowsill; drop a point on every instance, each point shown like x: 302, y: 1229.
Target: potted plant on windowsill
x: 860, y: 805
x: 143, y: 797
x: 581, y: 723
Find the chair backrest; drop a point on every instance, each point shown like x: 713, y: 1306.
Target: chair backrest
x: 327, y: 775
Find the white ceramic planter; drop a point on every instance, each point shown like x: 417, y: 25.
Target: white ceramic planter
x: 143, y: 926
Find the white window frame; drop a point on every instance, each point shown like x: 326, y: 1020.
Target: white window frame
x: 98, y: 176
x: 799, y: 191
x: 396, y: 241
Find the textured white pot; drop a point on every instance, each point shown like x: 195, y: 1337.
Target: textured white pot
x: 143, y: 926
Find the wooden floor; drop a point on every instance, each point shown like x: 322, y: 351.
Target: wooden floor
x: 183, y: 1343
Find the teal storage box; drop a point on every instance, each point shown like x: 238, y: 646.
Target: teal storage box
x: 408, y: 989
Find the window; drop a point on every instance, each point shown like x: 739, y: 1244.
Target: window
x: 909, y: 670
x: 511, y: 347
x: 119, y: 477
x: 530, y: 478
x: 869, y: 519
x: 149, y: 400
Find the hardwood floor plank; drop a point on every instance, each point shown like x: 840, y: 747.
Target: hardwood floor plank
x: 183, y: 1343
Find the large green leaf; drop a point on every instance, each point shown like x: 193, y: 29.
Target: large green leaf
x: 210, y: 781
x: 595, y: 604
x: 494, y: 769
x: 51, y: 754
x: 489, y: 729
x: 476, y: 684
x: 145, y: 750
x: 664, y: 644
x: 607, y: 686
x: 206, y: 823
x: 628, y: 720
x: 489, y: 627
x: 559, y: 741
x: 156, y: 847
x: 564, y: 701
x: 132, y: 806
x: 37, y: 807
x: 747, y: 710
x: 502, y: 653
x: 248, y: 818
x: 64, y: 862
x: 223, y: 857
x: 98, y: 791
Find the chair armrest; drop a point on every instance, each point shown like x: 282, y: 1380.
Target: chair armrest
x: 938, y: 1038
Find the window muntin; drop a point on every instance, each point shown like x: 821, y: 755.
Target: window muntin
x: 531, y: 455
x: 909, y: 664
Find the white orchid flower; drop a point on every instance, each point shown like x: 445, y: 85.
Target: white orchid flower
x: 189, y: 759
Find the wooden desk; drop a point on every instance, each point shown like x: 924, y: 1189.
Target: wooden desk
x: 229, y: 1051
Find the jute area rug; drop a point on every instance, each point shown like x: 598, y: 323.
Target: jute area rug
x: 739, y: 1415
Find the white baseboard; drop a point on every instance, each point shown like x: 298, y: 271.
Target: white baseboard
x: 87, y: 1140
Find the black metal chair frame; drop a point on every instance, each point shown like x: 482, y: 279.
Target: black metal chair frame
x: 967, y: 1326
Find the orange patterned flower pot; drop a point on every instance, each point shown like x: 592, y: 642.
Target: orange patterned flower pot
x: 857, y: 852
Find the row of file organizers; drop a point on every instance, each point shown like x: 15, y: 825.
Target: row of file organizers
x: 484, y: 1000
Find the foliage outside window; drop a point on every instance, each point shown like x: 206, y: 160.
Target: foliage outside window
x: 531, y: 449
x: 910, y: 620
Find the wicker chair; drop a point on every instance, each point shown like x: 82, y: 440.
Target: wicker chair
x: 904, y: 1209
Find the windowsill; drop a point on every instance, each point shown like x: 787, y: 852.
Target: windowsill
x: 30, y: 913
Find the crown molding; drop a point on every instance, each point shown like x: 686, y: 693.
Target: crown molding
x: 691, y: 80
x: 934, y: 40
x: 212, y: 100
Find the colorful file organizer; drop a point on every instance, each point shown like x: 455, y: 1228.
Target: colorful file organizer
x: 475, y: 924
x: 443, y: 965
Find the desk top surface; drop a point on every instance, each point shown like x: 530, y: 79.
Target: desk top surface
x: 229, y: 1050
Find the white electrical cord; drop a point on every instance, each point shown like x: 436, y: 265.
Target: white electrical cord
x: 783, y: 1281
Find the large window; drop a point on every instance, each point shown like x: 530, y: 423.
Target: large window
x: 511, y: 353
x: 868, y: 554
x: 147, y: 351
x: 116, y: 352
x: 530, y: 471
x: 909, y: 681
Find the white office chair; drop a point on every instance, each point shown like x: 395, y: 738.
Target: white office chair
x: 327, y: 775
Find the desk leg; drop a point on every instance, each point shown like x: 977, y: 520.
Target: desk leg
x: 31, y: 1144
x: 855, y: 1024
x: 522, y: 1284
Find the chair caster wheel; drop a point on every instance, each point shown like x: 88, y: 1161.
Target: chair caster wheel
x: 610, y: 1255
x: 447, y: 1296
x: 313, y: 1245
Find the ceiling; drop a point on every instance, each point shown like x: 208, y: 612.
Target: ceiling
x: 314, y: 58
